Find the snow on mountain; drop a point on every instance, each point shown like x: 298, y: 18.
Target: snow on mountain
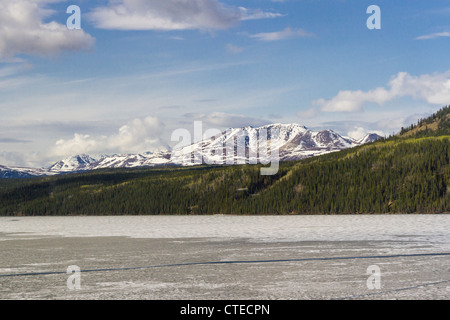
x: 74, y: 163
x: 232, y: 146
x: 84, y: 162
x: 253, y: 145
x: 147, y: 159
x: 22, y: 172
x: 371, y: 137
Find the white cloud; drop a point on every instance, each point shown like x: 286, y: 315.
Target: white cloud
x: 234, y: 49
x: 79, y: 144
x: 24, y: 32
x: 434, y: 36
x: 13, y: 159
x: 348, y: 101
x: 164, y: 15
x: 360, y: 132
x: 247, y: 14
x: 281, y: 35
x: 221, y: 120
x: 171, y: 15
x: 357, y: 133
x: 144, y: 134
x: 433, y: 88
x: 139, y: 135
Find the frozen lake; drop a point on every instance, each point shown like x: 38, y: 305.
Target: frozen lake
x: 186, y: 257
x: 428, y: 228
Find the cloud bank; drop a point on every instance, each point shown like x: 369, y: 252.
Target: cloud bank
x: 22, y: 31
x: 171, y: 15
x: 138, y: 135
x: 433, y: 88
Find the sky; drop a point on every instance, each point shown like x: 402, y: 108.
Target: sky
x: 137, y: 70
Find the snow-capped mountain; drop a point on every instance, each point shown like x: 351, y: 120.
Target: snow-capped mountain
x: 21, y: 172
x: 75, y: 163
x: 232, y: 146
x: 291, y: 141
x: 371, y: 137
x: 85, y: 162
x: 147, y: 159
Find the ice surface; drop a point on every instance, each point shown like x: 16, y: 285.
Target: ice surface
x: 424, y: 228
x: 99, y: 243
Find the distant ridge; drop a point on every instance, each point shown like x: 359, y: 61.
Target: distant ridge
x: 294, y: 142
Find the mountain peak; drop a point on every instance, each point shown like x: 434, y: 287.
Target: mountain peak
x: 73, y: 163
x: 368, y: 138
x: 285, y: 125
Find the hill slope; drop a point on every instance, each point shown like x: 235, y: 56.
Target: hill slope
x: 437, y: 124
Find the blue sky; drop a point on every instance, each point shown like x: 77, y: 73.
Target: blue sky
x: 140, y: 69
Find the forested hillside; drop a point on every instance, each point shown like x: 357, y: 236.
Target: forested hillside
x: 437, y: 124
x: 407, y: 173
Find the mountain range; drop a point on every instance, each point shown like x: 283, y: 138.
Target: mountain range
x: 404, y: 173
x: 292, y: 142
